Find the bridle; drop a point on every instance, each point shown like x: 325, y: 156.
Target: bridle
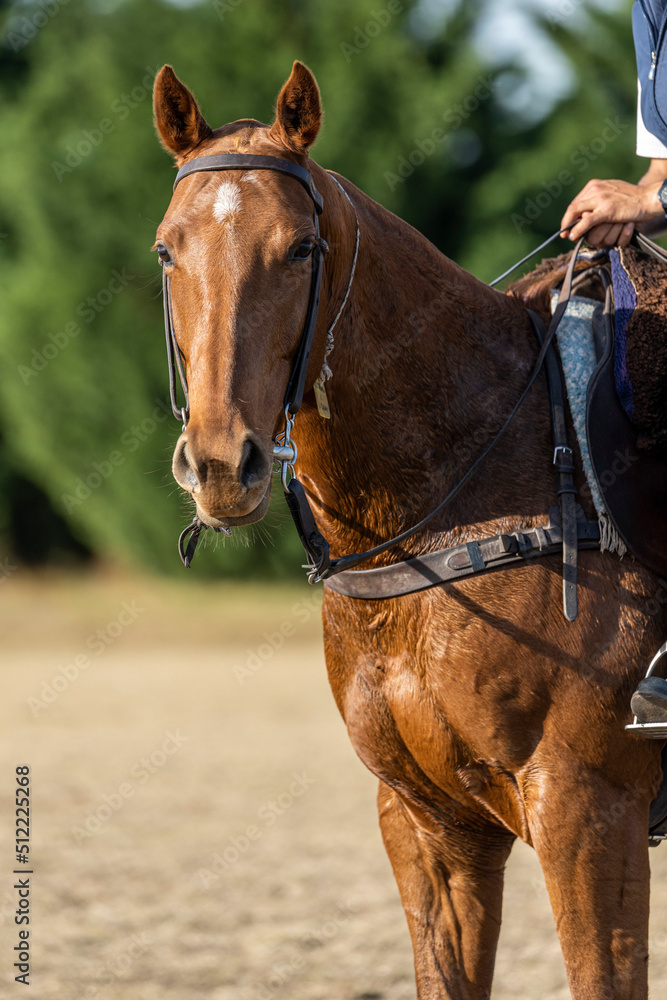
x: 284, y: 450
x: 297, y: 381
x: 321, y: 566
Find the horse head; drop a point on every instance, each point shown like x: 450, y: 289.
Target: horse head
x: 236, y: 247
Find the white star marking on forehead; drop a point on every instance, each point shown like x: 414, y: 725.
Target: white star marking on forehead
x: 227, y: 200
x: 228, y: 196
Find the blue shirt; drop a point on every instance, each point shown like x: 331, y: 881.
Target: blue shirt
x: 649, y: 28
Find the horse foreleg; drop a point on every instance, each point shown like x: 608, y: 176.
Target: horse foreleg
x: 450, y: 878
x: 592, y: 842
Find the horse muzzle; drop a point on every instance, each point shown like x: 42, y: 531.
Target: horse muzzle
x: 230, y: 482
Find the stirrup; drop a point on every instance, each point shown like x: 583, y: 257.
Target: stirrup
x: 651, y: 730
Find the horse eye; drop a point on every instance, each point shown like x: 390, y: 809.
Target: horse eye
x: 303, y: 251
x: 163, y: 254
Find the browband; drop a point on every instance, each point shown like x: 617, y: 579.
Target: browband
x: 252, y: 161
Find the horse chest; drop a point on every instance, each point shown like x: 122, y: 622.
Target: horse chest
x: 378, y: 680
x: 421, y: 714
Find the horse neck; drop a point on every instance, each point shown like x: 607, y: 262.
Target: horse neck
x: 427, y: 363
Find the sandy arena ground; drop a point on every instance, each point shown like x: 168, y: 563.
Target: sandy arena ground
x: 201, y: 827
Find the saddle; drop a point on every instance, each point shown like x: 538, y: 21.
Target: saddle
x: 626, y: 401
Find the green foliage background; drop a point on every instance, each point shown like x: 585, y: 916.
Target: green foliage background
x: 66, y: 226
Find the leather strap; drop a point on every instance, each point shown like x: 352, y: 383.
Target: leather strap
x: 509, y: 549
x: 174, y: 360
x: 252, y: 161
x: 297, y: 380
x: 315, y: 544
x: 344, y: 563
x: 564, y: 468
x: 563, y: 457
x: 563, y: 460
x: 438, y: 564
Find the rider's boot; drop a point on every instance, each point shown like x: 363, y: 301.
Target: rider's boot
x: 649, y: 702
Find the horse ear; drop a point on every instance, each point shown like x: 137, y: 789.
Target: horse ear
x: 178, y: 120
x: 298, y: 110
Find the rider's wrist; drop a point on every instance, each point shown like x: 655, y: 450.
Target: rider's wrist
x: 661, y: 195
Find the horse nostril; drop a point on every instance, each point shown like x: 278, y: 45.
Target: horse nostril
x: 182, y: 468
x: 253, y: 465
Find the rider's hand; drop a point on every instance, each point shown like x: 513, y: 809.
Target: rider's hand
x: 607, y: 212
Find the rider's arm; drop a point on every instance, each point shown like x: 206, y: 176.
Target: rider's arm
x: 609, y: 210
x: 653, y: 180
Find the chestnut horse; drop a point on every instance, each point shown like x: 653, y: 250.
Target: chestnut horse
x: 485, y: 714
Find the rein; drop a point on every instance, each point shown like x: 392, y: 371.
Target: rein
x: 321, y: 567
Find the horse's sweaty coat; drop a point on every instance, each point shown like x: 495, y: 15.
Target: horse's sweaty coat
x: 485, y: 715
